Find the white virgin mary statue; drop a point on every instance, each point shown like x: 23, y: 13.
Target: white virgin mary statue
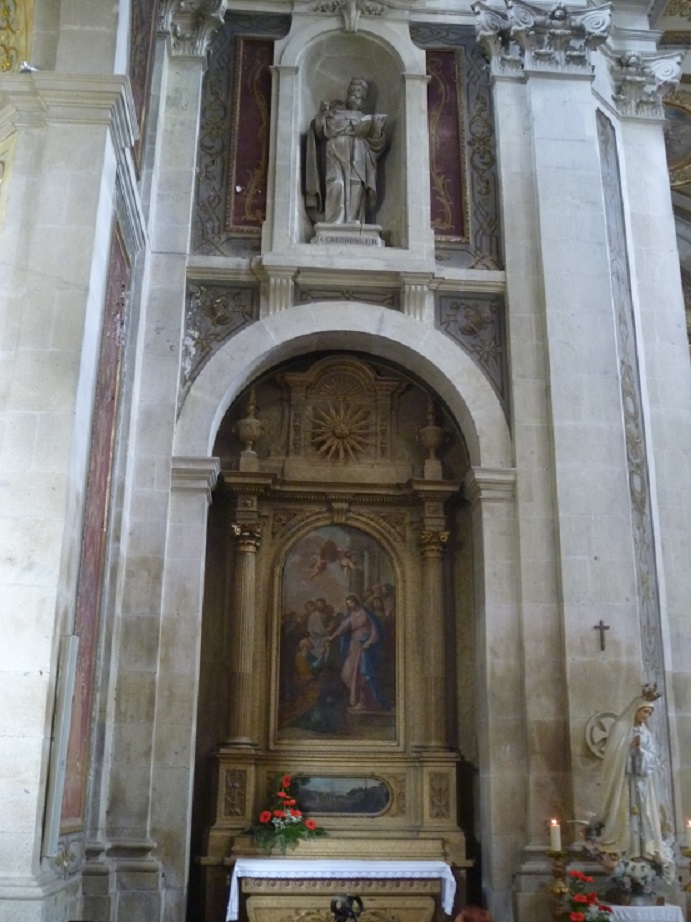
x: 630, y: 808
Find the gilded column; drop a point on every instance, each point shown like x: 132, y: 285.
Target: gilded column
x: 247, y: 539
x: 433, y: 672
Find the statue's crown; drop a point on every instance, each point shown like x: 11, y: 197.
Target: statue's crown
x: 650, y: 692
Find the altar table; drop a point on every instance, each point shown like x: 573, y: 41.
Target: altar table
x: 647, y: 914
x: 324, y: 869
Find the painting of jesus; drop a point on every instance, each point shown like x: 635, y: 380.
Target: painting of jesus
x: 337, y: 646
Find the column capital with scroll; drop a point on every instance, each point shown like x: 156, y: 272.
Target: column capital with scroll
x: 190, y: 24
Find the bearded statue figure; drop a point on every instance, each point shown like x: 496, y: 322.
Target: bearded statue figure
x: 345, y: 188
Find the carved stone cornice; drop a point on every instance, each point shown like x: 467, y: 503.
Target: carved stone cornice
x: 190, y: 24
x: 194, y: 475
x: 641, y: 81
x: 527, y: 38
x: 482, y: 485
x: 73, y: 99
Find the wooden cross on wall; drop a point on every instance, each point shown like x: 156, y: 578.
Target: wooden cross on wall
x: 601, y: 627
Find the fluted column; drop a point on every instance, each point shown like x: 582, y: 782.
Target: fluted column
x: 247, y: 539
x: 432, y: 544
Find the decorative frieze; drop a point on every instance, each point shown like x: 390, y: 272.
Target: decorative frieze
x: 476, y: 323
x: 641, y: 81
x: 190, y: 24
x: 384, y: 297
x: 528, y: 38
x: 351, y: 10
x: 214, y: 313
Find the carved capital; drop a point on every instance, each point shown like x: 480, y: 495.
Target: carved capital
x: 641, y: 81
x: 247, y: 536
x: 540, y: 38
x: 433, y: 542
x: 190, y: 24
x: 493, y: 31
x: 556, y: 39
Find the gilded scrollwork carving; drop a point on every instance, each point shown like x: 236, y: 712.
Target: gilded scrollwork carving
x: 397, y: 783
x: 16, y: 18
x: 439, y: 795
x: 235, y: 793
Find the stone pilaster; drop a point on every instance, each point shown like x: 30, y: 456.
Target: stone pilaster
x: 500, y: 716
x: 164, y: 522
x: 655, y: 388
x: 55, y: 240
x: 283, y: 193
x: 419, y: 235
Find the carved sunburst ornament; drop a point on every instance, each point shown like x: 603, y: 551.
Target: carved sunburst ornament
x: 341, y: 432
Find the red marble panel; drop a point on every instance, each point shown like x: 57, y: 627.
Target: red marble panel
x: 86, y: 622
x: 446, y: 132
x: 249, y: 156
x: 142, y: 34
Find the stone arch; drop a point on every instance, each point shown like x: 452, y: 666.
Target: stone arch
x: 389, y: 334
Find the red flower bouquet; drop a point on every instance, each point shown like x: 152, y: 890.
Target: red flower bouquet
x: 283, y: 825
x: 580, y: 902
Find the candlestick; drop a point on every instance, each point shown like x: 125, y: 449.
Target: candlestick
x: 554, y: 836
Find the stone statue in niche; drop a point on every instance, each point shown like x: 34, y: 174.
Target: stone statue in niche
x: 344, y: 189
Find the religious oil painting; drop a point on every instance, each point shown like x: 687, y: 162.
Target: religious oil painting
x: 340, y: 794
x: 337, y: 659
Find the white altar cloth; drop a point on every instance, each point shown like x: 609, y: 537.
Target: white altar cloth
x: 647, y: 914
x: 289, y: 868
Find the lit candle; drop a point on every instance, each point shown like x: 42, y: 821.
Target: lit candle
x: 688, y: 834
x: 554, y: 836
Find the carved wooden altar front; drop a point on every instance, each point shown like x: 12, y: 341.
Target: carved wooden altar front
x: 340, y: 485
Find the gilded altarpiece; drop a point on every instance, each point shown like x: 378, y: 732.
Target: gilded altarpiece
x: 341, y: 480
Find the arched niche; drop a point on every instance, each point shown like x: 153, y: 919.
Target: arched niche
x: 326, y: 68
x: 316, y: 63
